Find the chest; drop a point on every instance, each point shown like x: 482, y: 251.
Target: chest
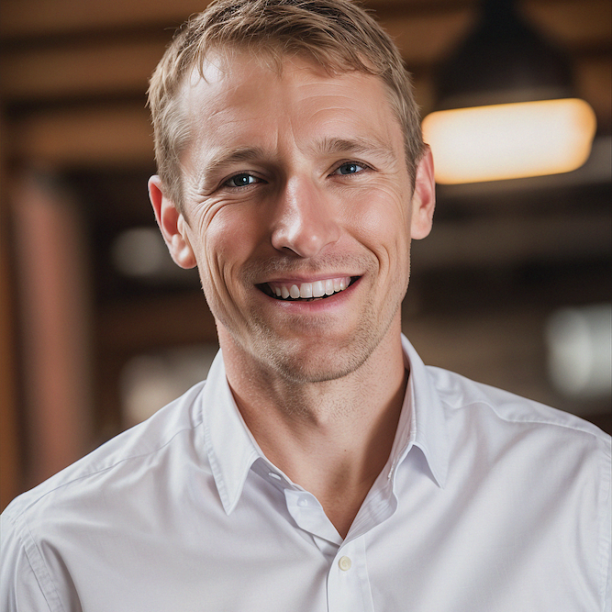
x: 434, y: 552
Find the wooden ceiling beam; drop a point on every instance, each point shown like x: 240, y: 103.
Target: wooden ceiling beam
x: 89, y: 70
x: 575, y: 20
x: 22, y: 19
x: 507, y: 239
x: 112, y: 66
x: 119, y: 66
x: 85, y: 137
x: 572, y: 23
x: 34, y: 18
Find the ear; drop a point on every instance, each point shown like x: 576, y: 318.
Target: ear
x: 424, y: 197
x: 172, y: 225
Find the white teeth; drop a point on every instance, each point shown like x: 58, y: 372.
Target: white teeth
x: 316, y: 289
x: 339, y: 284
x: 306, y: 290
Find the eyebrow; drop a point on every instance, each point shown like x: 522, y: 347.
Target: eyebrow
x: 326, y: 146
x: 227, y: 157
x: 330, y: 146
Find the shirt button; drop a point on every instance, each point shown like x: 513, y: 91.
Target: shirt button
x: 344, y: 564
x: 303, y: 501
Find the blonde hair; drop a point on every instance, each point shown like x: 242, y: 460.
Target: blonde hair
x: 338, y: 35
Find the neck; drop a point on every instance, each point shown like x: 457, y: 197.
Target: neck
x: 333, y: 438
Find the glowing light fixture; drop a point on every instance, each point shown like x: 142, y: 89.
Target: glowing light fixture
x: 579, y: 350
x: 503, y: 141
x: 505, y: 105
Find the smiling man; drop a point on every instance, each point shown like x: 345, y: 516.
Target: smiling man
x: 322, y: 466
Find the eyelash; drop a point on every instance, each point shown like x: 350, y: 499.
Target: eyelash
x: 350, y: 163
x: 240, y: 175
x: 256, y: 179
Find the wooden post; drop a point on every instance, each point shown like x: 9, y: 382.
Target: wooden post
x: 11, y: 459
x: 54, y: 318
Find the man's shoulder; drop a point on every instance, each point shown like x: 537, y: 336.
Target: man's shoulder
x: 106, y: 469
x: 481, y: 403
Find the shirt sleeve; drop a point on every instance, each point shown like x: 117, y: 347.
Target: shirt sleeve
x: 20, y: 586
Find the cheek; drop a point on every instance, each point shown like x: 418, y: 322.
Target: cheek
x: 227, y: 242
x: 382, y: 220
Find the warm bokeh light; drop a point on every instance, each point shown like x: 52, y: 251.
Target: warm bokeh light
x: 579, y: 350
x: 504, y: 141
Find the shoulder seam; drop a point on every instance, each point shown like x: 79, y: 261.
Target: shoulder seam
x: 533, y: 421
x: 101, y: 470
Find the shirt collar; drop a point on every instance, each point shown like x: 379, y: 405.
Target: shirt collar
x: 427, y: 429
x: 232, y: 450
x: 229, y: 444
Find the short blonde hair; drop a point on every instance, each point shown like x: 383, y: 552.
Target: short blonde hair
x: 338, y: 35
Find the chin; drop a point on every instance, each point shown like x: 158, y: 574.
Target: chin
x: 299, y: 363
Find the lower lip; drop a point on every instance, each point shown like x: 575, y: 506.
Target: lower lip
x: 328, y: 303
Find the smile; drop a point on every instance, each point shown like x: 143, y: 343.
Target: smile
x: 316, y: 290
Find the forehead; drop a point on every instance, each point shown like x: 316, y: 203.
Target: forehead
x: 244, y: 100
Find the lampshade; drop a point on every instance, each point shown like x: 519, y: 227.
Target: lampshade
x: 504, y: 141
x: 505, y: 106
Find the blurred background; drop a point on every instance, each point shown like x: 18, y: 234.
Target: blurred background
x: 98, y: 329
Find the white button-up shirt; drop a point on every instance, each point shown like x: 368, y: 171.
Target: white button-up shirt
x: 488, y: 503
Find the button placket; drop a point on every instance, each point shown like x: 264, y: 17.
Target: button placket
x: 308, y: 514
x: 348, y: 583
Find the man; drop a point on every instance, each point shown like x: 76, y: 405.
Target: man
x: 322, y: 466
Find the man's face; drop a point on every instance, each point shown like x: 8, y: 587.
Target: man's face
x: 296, y: 184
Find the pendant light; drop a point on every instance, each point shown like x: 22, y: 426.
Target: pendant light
x: 505, y: 105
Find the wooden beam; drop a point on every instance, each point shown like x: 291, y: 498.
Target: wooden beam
x: 106, y: 65
x: 74, y: 138
x: 112, y: 67
x: 76, y: 71
x: 572, y: 23
x: 35, y: 18
x: 568, y: 20
x: 514, y: 240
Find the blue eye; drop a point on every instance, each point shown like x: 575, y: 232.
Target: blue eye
x: 349, y: 168
x: 241, y: 180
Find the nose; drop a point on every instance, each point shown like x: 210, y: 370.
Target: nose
x: 305, y: 219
